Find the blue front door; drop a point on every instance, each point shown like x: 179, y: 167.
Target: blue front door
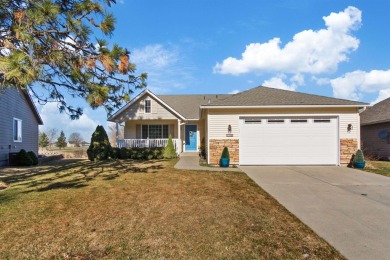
x: 191, y: 138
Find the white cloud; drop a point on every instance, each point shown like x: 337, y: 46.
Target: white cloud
x: 154, y: 56
x: 234, y: 91
x: 277, y: 82
x: 166, y: 67
x: 309, y: 51
x: 383, y: 94
x: 52, y: 118
x: 298, y: 79
x: 320, y: 81
x: 354, y: 84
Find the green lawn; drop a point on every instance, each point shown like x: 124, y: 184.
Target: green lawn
x: 378, y: 167
x: 76, y: 209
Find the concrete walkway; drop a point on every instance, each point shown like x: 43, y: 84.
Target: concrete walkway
x: 348, y: 208
x: 190, y: 161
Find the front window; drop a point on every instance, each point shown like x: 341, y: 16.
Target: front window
x: 148, y: 106
x: 17, y: 132
x: 155, y: 131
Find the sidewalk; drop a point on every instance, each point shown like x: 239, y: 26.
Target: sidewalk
x: 190, y: 161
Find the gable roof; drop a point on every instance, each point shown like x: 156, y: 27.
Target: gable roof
x: 29, y: 101
x: 189, y: 105
x: 33, y: 107
x: 379, y: 113
x: 140, y: 95
x: 265, y: 96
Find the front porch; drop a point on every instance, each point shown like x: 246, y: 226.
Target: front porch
x: 149, y: 143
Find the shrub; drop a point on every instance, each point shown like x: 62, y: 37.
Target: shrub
x: 115, y: 152
x: 158, y: 153
x: 100, y: 147
x: 169, y: 151
x: 124, y: 153
x: 359, y: 157
x: 139, y: 154
x: 23, y: 158
x: 225, y: 153
x: 33, y: 157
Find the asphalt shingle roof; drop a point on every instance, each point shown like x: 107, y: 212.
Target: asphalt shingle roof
x: 379, y: 113
x: 264, y: 96
x: 188, y: 105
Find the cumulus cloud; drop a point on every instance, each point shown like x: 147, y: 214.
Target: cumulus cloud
x: 52, y: 118
x: 309, y: 51
x: 277, y: 82
x: 354, y: 84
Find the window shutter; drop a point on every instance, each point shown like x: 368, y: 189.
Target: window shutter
x: 171, y: 130
x: 138, y: 133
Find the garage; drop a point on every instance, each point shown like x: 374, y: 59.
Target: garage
x: 289, y: 141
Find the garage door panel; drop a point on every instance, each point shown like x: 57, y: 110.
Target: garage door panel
x: 289, y: 143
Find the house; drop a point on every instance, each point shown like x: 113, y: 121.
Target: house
x: 375, y: 130
x: 260, y: 126
x: 18, y: 123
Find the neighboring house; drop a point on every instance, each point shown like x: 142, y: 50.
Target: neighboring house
x: 260, y: 126
x: 19, y: 122
x: 84, y: 144
x: 375, y: 130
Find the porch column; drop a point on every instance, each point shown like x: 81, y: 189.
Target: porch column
x: 179, y: 135
x: 117, y: 133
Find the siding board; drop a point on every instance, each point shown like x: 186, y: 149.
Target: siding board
x: 13, y: 104
x: 136, y: 111
x: 372, y: 143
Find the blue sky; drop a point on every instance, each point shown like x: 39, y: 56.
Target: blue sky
x: 326, y: 47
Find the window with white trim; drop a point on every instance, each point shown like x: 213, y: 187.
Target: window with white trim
x: 155, y: 131
x: 17, y: 131
x: 148, y: 106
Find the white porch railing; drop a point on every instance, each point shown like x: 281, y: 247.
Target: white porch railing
x: 148, y: 143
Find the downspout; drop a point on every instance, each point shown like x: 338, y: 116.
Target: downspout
x: 117, y: 133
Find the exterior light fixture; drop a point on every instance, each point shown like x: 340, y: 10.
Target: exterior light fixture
x: 349, y: 127
x: 229, y: 129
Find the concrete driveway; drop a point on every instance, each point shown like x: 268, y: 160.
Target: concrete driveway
x: 348, y: 208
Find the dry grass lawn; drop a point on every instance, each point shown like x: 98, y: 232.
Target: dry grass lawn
x: 76, y: 209
x: 378, y: 167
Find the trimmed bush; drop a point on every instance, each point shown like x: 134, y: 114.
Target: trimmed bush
x: 33, y: 157
x: 169, y: 151
x: 100, y: 147
x: 359, y: 156
x: 23, y: 158
x: 225, y: 153
x: 115, y: 153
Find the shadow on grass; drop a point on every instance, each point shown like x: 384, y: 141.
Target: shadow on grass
x: 64, y: 185
x: 73, y: 173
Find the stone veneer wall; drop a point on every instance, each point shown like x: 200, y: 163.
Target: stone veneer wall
x: 348, y: 148
x: 216, y: 147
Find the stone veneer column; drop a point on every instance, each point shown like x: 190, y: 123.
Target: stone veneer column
x: 348, y: 148
x: 216, y: 147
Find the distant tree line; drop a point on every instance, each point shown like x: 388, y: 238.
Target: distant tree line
x: 50, y: 138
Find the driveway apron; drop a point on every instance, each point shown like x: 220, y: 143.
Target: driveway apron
x: 348, y: 208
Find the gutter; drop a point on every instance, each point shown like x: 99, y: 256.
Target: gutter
x: 285, y: 106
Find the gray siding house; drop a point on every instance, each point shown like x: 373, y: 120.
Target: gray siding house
x: 19, y: 123
x: 375, y: 130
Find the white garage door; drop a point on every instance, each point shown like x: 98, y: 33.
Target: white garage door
x: 289, y: 141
